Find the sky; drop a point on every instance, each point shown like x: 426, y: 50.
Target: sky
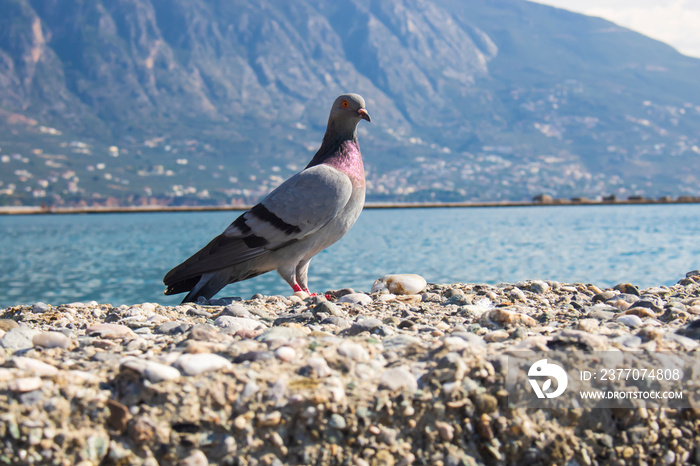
x: 675, y: 22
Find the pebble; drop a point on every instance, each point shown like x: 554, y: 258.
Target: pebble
x: 692, y: 330
x: 51, y: 340
x: 24, y: 384
x: 401, y: 342
x: 354, y: 351
x: 195, y: 458
x: 337, y: 422
x: 538, y: 286
x: 236, y: 310
x: 364, y: 325
x: 153, y: 371
x: 398, y: 378
x: 205, y: 332
x: 582, y: 340
x: 630, y: 320
x: 335, y: 320
x: 8, y: 324
x: 506, y: 317
x: 328, y: 307
x: 318, y: 367
x: 400, y: 284
x: 280, y: 335
x: 40, y: 308
x: 34, y: 366
x: 496, y: 335
x: 516, y: 294
x: 18, y: 338
x: 234, y: 324
x: 355, y: 298
x: 445, y: 431
x: 627, y: 288
x: 285, y: 353
x: 110, y: 331
x: 173, y: 328
x: 195, y: 364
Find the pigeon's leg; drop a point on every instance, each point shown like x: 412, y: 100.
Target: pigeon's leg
x: 289, y: 275
x: 302, y: 273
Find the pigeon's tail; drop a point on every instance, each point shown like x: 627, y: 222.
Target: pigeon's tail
x: 207, y: 284
x: 224, y: 260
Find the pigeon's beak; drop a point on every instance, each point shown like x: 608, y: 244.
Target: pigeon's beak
x: 363, y: 114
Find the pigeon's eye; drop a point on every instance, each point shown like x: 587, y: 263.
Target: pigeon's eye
x: 345, y: 104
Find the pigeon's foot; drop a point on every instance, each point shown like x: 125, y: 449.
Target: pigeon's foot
x: 306, y: 290
x: 297, y: 288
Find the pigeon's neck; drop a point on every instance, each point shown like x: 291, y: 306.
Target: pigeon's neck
x: 344, y: 155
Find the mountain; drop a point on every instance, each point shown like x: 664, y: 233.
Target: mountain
x: 217, y: 101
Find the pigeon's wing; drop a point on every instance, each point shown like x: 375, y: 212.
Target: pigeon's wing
x: 298, y: 208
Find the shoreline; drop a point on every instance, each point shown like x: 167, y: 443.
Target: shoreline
x: 362, y: 378
x: 42, y: 210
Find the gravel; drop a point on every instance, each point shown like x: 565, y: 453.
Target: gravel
x: 364, y: 378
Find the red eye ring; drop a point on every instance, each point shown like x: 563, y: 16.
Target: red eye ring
x: 345, y: 104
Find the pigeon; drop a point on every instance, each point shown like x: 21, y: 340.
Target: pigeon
x: 300, y: 218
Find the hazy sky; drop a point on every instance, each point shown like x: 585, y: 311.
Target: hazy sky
x: 676, y: 22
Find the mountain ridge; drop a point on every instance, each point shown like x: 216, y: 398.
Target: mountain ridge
x: 477, y: 100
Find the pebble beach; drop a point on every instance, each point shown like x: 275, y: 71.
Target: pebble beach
x: 403, y: 373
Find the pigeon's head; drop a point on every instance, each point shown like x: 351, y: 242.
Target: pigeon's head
x: 347, y: 111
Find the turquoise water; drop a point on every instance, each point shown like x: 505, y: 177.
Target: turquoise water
x: 121, y: 258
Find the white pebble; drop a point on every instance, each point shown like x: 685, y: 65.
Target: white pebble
x: 237, y: 323
x: 319, y: 365
x: 195, y: 364
x: 402, y: 284
x: 36, y: 367
x: 156, y: 372
x: 24, y: 384
x: 50, y: 340
x: 353, y: 351
x: 148, y: 307
x: 285, y: 353
x: 355, y: 298
x: 630, y: 320
x: 455, y: 343
x: 110, y: 331
x: 398, y: 378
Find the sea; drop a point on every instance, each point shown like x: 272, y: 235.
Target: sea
x: 121, y: 258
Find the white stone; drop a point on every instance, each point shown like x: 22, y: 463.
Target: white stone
x: 398, y: 378
x: 24, y: 384
x: 36, y: 367
x: 630, y: 320
x: 401, y: 284
x: 156, y: 372
x: 455, y: 343
x: 285, y: 353
x: 319, y: 365
x: 157, y: 319
x: 195, y: 364
x: 355, y: 298
x: 50, y: 340
x: 110, y: 331
x: 353, y: 351
x: 238, y: 323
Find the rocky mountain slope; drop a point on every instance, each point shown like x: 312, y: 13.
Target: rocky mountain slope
x: 207, y: 101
